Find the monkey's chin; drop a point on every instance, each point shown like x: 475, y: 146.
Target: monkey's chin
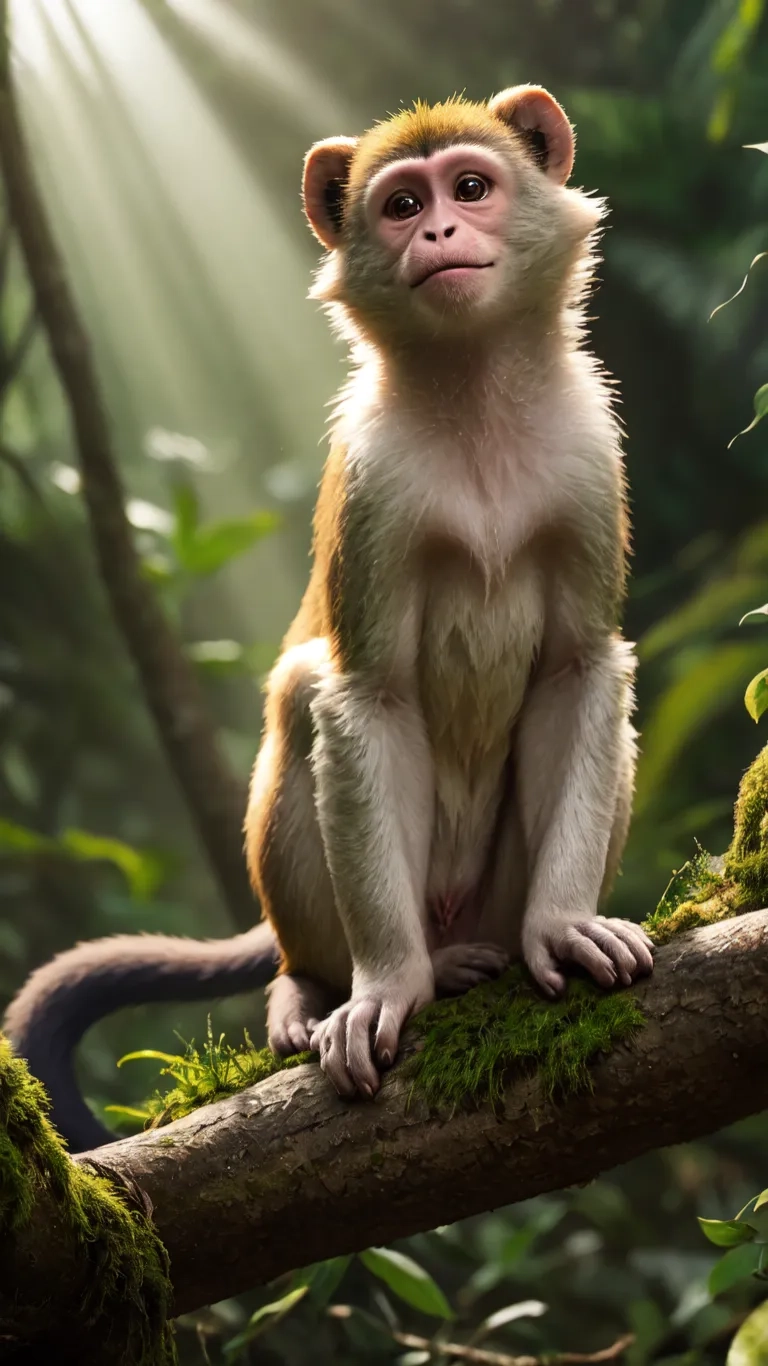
x: 455, y: 296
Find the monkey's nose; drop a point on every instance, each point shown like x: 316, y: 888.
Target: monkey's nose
x: 431, y: 236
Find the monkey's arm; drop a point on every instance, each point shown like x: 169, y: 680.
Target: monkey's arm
x: 373, y: 773
x: 575, y: 761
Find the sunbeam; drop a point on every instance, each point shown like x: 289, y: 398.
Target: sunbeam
x: 190, y: 267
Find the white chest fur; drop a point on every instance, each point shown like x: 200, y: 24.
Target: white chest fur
x: 479, y: 640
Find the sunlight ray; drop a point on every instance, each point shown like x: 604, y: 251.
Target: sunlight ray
x: 234, y: 233
x: 289, y: 79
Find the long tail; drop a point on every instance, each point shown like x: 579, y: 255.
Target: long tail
x: 62, y: 999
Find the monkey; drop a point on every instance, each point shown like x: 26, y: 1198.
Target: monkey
x: 445, y: 778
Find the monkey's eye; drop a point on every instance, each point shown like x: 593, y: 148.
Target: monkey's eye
x: 402, y: 204
x: 470, y: 188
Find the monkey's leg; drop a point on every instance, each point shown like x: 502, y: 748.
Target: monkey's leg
x: 574, y: 760
x: 287, y: 860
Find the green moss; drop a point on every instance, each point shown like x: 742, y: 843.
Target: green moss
x: 129, y: 1292
x: 212, y: 1073
x: 473, y: 1044
x: 707, y: 890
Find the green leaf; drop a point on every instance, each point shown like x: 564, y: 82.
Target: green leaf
x: 264, y: 1318
x: 727, y: 1232
x: 322, y: 1279
x: 187, y: 510
x: 142, y: 871
x: 754, y: 612
x: 703, y: 689
x: 750, y: 1345
x: 213, y: 546
x: 756, y: 696
x: 737, y: 1265
x: 414, y: 1358
x: 151, y: 1053
x: 408, y: 1280
x: 20, y: 839
x: 126, y: 1111
x: 525, y: 1309
x: 762, y: 1199
x: 760, y: 402
x: 157, y: 568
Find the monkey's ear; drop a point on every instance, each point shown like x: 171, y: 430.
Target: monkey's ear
x: 538, y: 118
x: 326, y: 170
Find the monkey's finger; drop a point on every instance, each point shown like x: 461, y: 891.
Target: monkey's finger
x: 298, y: 1033
x: 388, y: 1033
x: 613, y: 947
x: 575, y: 945
x: 543, y: 967
x: 360, y: 1064
x: 333, y: 1052
x: 637, y: 931
x: 637, y: 940
x: 280, y: 1040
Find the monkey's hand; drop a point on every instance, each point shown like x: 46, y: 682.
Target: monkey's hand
x: 459, y: 967
x: 361, y: 1038
x: 613, y: 952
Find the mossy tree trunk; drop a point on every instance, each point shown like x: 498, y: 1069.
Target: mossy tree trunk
x: 286, y: 1173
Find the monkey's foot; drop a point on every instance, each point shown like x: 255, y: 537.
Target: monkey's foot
x: 459, y: 967
x: 362, y: 1037
x: 613, y: 952
x: 295, y: 1006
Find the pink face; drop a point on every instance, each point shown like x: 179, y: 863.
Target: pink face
x: 441, y: 219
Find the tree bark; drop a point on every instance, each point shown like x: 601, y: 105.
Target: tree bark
x: 286, y: 1174
x: 215, y: 798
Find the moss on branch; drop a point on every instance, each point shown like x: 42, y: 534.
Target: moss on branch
x: 706, y: 890
x: 127, y: 1292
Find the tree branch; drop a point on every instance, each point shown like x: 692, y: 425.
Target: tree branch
x: 480, y: 1356
x: 215, y: 798
x: 286, y: 1174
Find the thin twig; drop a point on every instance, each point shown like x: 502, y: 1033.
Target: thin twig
x: 15, y: 360
x: 481, y: 1356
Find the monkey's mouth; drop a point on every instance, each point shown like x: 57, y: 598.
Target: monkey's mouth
x: 450, y: 267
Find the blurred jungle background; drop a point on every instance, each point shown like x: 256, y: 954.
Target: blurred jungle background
x: 168, y: 137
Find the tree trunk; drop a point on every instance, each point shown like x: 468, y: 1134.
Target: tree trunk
x: 214, y: 796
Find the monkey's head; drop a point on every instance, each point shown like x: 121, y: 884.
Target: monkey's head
x: 447, y: 217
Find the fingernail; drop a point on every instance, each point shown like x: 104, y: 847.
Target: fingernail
x: 366, y: 1089
x: 386, y: 1057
